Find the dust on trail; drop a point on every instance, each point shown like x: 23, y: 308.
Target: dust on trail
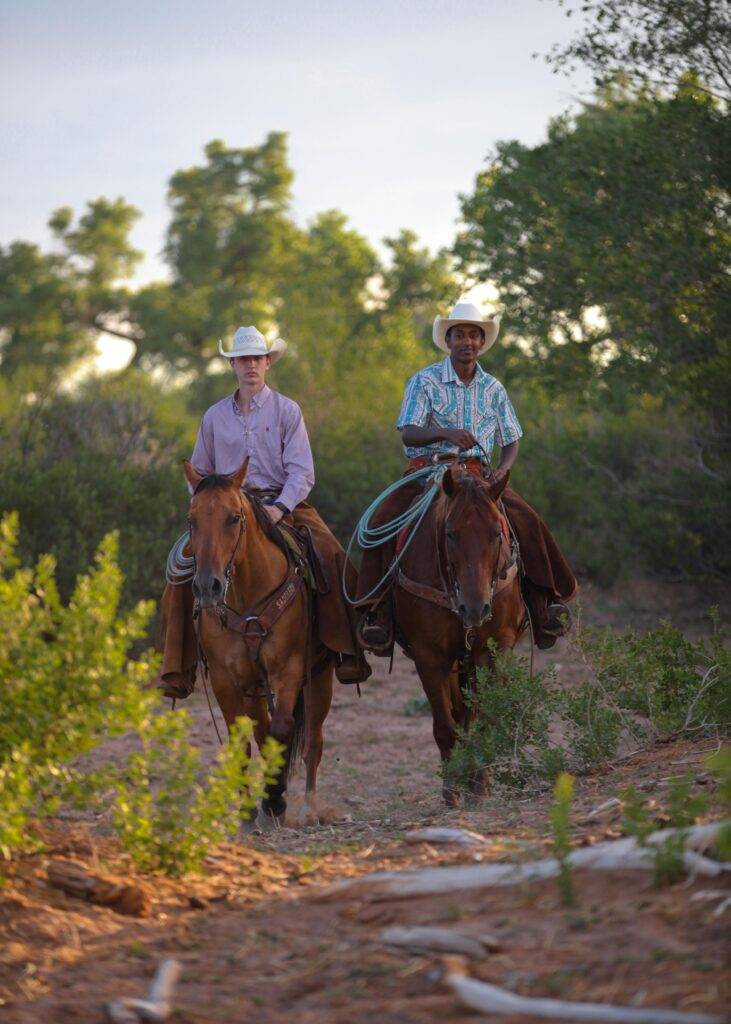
x: 255, y: 945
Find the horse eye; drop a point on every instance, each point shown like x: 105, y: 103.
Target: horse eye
x: 191, y: 523
x: 233, y: 519
x: 451, y: 535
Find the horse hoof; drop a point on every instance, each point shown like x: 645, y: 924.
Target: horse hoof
x: 307, y: 817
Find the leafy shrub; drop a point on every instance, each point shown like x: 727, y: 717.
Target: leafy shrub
x: 66, y: 682
x: 165, y: 816
x: 17, y: 797
x: 668, y: 861
x: 672, y: 683
x: 510, y: 731
x: 637, y: 688
x: 560, y: 817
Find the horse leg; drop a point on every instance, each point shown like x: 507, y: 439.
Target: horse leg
x: 318, y: 696
x: 437, y: 683
x: 286, y: 728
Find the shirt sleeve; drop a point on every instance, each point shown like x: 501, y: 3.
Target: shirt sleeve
x: 299, y: 469
x: 203, y: 457
x: 508, y: 429
x: 416, y: 406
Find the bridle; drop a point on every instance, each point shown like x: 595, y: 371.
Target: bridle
x: 229, y: 568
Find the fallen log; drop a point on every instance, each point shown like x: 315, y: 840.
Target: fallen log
x: 615, y: 855
x: 486, y: 998
x: 156, y: 1008
x: 439, y: 940
x: 458, y: 836
x: 74, y: 878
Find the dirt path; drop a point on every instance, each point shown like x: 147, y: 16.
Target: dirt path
x: 256, y: 944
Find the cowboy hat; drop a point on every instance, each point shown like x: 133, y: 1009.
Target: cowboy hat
x: 465, y: 313
x: 249, y: 342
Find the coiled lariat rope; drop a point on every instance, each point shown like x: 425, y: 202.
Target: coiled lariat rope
x: 180, y: 568
x: 369, y: 536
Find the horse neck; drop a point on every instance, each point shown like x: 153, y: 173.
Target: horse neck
x: 259, y: 567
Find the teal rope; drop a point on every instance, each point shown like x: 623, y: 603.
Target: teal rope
x: 373, y: 536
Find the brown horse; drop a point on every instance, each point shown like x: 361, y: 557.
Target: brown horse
x: 457, y: 588
x: 255, y: 630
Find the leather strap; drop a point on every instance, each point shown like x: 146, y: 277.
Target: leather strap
x: 255, y: 626
x: 505, y: 577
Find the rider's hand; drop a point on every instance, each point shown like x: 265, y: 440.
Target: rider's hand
x: 275, y: 514
x: 498, y: 475
x: 463, y: 439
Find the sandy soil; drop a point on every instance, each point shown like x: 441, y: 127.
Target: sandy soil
x: 257, y: 944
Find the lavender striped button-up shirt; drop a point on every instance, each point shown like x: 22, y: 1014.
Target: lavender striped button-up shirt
x: 274, y: 437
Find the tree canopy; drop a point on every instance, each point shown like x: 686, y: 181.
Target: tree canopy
x: 608, y: 243
x: 655, y: 41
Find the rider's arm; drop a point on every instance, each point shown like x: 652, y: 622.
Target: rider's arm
x: 508, y: 455
x: 203, y: 457
x: 416, y: 437
x: 297, y: 461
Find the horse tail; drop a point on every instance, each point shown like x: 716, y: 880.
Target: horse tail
x: 298, y: 734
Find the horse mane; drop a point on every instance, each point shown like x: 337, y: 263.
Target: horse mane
x: 471, y: 489
x: 221, y: 481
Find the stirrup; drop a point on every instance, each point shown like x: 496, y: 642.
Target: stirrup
x: 374, y: 636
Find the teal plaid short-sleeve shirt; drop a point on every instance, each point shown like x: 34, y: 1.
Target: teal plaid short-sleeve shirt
x: 436, y: 397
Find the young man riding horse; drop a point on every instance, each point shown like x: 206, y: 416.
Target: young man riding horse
x: 455, y: 406
x: 268, y: 428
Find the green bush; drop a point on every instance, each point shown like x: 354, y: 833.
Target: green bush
x: 560, y: 818
x: 509, y: 734
x: 637, y: 689
x: 165, y: 816
x: 67, y: 683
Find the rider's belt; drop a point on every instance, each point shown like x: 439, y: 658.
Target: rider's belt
x: 474, y: 466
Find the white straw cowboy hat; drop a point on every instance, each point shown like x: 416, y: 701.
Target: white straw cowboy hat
x: 249, y: 342
x: 465, y: 313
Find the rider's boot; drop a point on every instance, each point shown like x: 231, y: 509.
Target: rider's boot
x: 556, y: 622
x: 178, y: 685
x: 352, y: 668
x: 375, y: 629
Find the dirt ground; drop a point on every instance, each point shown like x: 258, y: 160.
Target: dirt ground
x: 258, y: 943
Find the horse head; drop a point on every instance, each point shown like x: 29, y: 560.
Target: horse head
x: 217, y: 522
x: 472, y: 542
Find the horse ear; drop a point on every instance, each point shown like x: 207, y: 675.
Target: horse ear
x: 237, y: 478
x: 448, y: 485
x: 497, y: 488
x: 191, y: 473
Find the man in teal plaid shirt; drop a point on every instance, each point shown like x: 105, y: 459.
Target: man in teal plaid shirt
x: 456, y: 406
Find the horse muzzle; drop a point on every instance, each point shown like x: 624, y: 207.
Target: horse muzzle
x: 474, y: 613
x: 209, y: 589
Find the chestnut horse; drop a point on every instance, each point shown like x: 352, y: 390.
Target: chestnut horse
x: 458, y: 587
x: 254, y: 628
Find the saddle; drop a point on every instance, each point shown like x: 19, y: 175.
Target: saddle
x: 299, y: 541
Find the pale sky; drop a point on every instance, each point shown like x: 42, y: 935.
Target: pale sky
x: 391, y: 108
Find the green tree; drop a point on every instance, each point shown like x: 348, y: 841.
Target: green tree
x: 623, y: 210
x: 227, y: 248
x: 418, y: 281
x: 654, y: 41
x: 54, y: 305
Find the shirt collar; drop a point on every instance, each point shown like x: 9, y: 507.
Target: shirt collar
x: 257, y: 400
x: 450, y: 377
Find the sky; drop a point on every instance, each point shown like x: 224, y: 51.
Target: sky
x: 391, y: 108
